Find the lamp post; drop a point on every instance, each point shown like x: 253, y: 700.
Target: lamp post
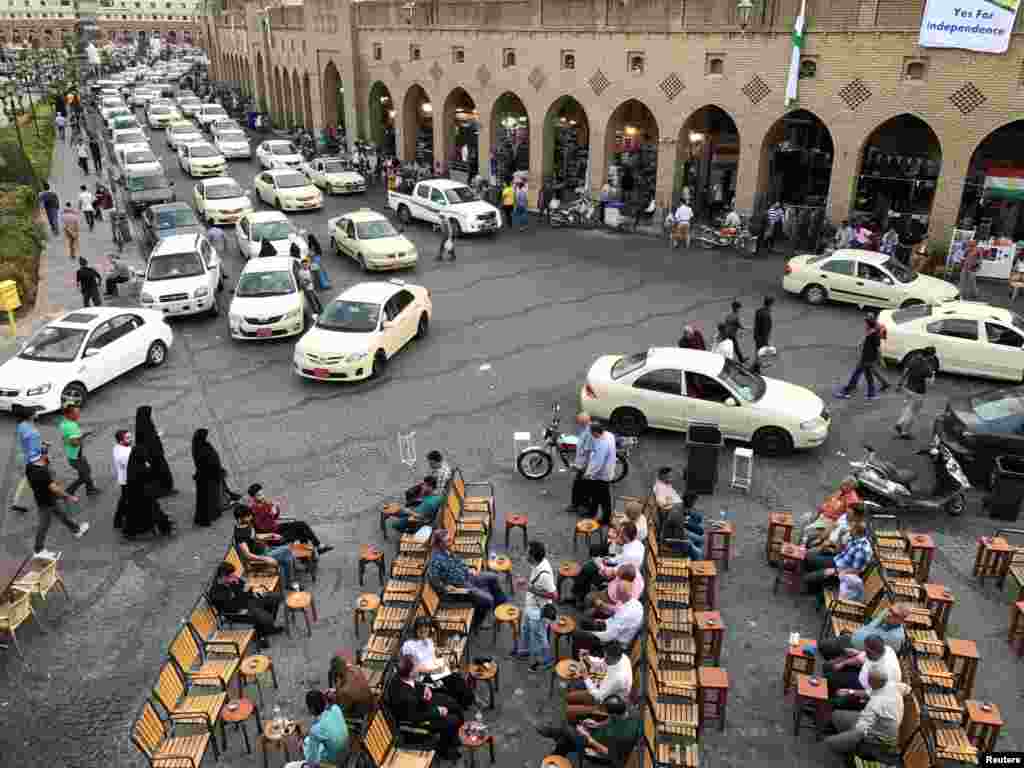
x: 743, y: 11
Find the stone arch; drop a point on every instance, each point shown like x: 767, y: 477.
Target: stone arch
x: 381, y: 113
x: 307, y: 101
x: 261, y: 84
x: 992, y: 182
x: 298, y: 102
x: 333, y: 97
x: 418, y: 126
x: 707, y: 163
x: 461, y: 129
x: 631, y: 145
x: 510, y: 135
x: 566, y: 150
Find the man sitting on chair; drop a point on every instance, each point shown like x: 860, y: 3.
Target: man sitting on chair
x: 608, y: 742
x: 424, y: 513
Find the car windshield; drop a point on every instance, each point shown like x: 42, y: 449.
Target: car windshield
x: 289, y: 180
x: 175, y: 218
x: 335, y: 166
x: 140, y: 156
x: 134, y: 137
x: 184, y: 129
x: 54, y: 344
x: 749, y: 386
x: 276, y: 283
x: 232, y: 136
x: 119, y: 112
x: 901, y: 273
x: 372, y: 230
x: 283, y: 149
x: 272, y: 230
x: 121, y: 123
x: 222, y: 191
x: 914, y: 312
x: 168, y: 266
x: 350, y: 316
x: 159, y: 110
x: 999, y: 406
x: 203, y: 151
x: 461, y: 195
x: 140, y: 183
x: 626, y: 364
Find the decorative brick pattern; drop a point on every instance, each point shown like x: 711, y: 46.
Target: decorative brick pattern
x: 436, y: 71
x: 483, y: 75
x: 756, y: 90
x: 967, y: 98
x: 671, y: 86
x: 537, y: 78
x: 599, y: 82
x: 396, y: 68
x: 854, y: 94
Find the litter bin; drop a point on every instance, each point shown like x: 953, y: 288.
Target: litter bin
x: 703, y: 444
x: 1003, y: 502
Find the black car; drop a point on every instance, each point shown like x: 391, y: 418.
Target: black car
x: 145, y: 188
x: 167, y: 220
x: 981, y: 427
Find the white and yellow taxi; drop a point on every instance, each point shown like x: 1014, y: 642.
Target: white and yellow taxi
x: 363, y: 328
x: 182, y: 132
x: 278, y: 153
x: 864, y: 278
x: 268, y: 301
x: 334, y: 175
x: 161, y: 115
x: 370, y: 239
x: 220, y: 200
x: 232, y: 143
x: 288, y: 190
x: 201, y: 159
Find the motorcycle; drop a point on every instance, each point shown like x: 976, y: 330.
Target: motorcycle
x: 892, y: 486
x: 536, y: 461
x: 580, y: 212
x: 723, y: 237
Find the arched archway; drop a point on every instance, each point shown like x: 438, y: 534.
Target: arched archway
x: 510, y: 136
x: 566, y: 145
x: 277, y: 102
x: 418, y: 127
x: 461, y: 134
x: 307, y: 101
x: 261, y: 81
x: 993, y: 196
x: 631, y: 148
x: 298, y: 108
x: 708, y: 159
x: 900, y: 164
x: 382, y: 118
x: 334, y: 99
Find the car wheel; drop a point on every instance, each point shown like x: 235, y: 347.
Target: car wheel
x: 380, y: 364
x: 424, y: 326
x: 772, y: 441
x: 156, y: 355
x: 911, y: 303
x: 74, y: 392
x: 404, y: 216
x: 628, y: 422
x: 815, y: 294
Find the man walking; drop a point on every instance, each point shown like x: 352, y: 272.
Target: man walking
x: 50, y: 204
x: 584, y: 442
x: 917, y: 374
x: 762, y: 330
x: 599, y: 473
x: 520, y: 209
x: 48, y: 494
x: 733, y: 326
x: 216, y: 237
x: 97, y: 155
x: 681, y: 227
x: 83, y: 156
x: 775, y: 216
x: 61, y: 122
x: 87, y: 205
x: 969, y: 273
x: 122, y: 453
x: 73, y: 436
x: 72, y: 230
x: 870, y: 351
x: 88, y: 281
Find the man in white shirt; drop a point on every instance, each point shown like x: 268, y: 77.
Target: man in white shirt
x: 599, y: 472
x: 85, y: 205
x: 589, y: 694
x: 850, y: 682
x: 583, y: 445
x: 540, y: 592
x: 872, y: 733
x: 623, y: 627
x: 681, y: 231
x: 122, y: 453
x: 595, y: 572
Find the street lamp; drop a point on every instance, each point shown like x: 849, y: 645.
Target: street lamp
x: 743, y: 11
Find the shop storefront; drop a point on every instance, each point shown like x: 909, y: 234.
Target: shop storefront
x: 706, y: 178
x: 382, y: 119
x: 993, y: 200
x: 567, y: 150
x: 462, y: 136
x: 632, y: 150
x: 418, y: 125
x: 510, y: 152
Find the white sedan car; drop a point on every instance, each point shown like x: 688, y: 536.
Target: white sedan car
x: 334, y: 175
x: 161, y: 116
x: 970, y: 338
x: 363, y: 328
x: 201, y: 159
x: 671, y: 388
x: 371, y: 239
x: 278, y: 153
x: 133, y: 160
x: 232, y: 144
x: 80, y: 352
x: 288, y: 190
x: 220, y: 200
x: 268, y: 301
x: 273, y: 226
x: 183, y: 132
x: 864, y: 278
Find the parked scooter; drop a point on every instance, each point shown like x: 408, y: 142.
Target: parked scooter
x: 892, y: 486
x: 580, y: 212
x: 537, y: 461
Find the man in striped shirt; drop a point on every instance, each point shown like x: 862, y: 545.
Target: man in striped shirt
x: 774, y: 217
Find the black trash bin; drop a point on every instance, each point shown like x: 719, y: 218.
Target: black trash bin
x: 1003, y: 502
x: 703, y: 445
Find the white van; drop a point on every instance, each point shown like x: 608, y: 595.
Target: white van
x: 183, y: 277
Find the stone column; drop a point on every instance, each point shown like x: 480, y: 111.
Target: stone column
x: 484, y: 143
x: 843, y: 185
x: 956, y: 159
x: 536, y: 159
x: 668, y: 158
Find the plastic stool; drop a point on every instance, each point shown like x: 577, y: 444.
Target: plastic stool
x: 516, y: 521
x: 507, y: 614
x: 742, y: 468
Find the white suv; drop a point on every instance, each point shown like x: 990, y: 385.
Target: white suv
x: 183, y: 277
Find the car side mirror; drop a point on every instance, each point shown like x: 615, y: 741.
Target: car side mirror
x: 731, y: 402
x: 91, y: 352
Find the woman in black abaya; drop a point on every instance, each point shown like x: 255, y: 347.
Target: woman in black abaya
x: 147, y: 436
x: 211, y: 488
x: 143, y: 514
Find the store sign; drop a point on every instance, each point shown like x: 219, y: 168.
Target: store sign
x: 983, y: 25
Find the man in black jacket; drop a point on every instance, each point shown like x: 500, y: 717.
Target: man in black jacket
x: 917, y: 374
x: 412, y: 703
x: 870, y: 354
x: 88, y: 280
x: 230, y: 595
x: 762, y: 330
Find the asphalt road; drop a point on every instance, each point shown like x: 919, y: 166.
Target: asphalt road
x: 518, y: 320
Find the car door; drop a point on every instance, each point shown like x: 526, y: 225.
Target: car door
x: 391, y: 331
x: 1002, y: 354
x: 407, y: 316
x: 876, y: 288
x: 148, y: 226
x: 422, y: 201
x: 212, y: 263
x: 348, y: 243
x: 956, y: 343
x: 707, y: 402
x: 98, y: 356
x: 838, y: 275
x: 127, y: 346
x: 199, y: 197
x: 438, y: 202
x: 658, y: 394
x: 265, y: 185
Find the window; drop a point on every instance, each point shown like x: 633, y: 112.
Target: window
x: 437, y: 197
x: 914, y: 69
x: 402, y: 299
x: 414, y: 53
x: 714, y: 64
x: 665, y: 381
x: 568, y: 59
x: 873, y: 273
x: 458, y: 55
x: 378, y: 51
x: 703, y: 387
x: 998, y: 334
x: 103, y: 335
x: 635, y: 62
x: 808, y: 69
x: 627, y: 364
x: 350, y: 230
x: 508, y: 58
x: 839, y: 266
x: 423, y: 191
x: 955, y: 329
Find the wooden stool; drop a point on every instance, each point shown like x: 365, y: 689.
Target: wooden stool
x: 983, y: 724
x: 272, y: 739
x: 780, y: 528
x: 939, y: 602
x: 502, y: 564
x: 250, y: 670
x: 555, y: 761
x: 366, y: 605
x: 585, y: 529
x: 569, y: 569
x: 507, y: 614
x: 703, y: 585
x: 241, y: 712
x: 387, y: 511
x: 710, y: 633
x: 810, y: 697
x: 486, y: 673
x: 992, y: 557
x: 564, y: 671
x: 1016, y: 635
x: 800, y: 659
x: 962, y: 660
x: 712, y: 696
x: 471, y: 743
x: 562, y: 626
x: 719, y: 543
x: 922, y: 552
x: 296, y: 602
x: 791, y: 570
x: 305, y: 555
x: 516, y: 521
x: 368, y: 553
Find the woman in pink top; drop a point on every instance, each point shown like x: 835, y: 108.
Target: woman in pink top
x: 601, y: 605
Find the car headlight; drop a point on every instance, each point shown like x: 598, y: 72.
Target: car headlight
x: 814, y: 423
x: 355, y: 357
x: 42, y: 389
x: 146, y: 298
x: 292, y: 314
x: 200, y: 292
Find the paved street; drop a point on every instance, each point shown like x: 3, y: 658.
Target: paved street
x: 518, y: 320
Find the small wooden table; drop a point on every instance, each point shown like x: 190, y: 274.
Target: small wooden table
x: 562, y: 626
x: 922, y: 552
x: 791, y: 569
x: 718, y: 544
x: 939, y: 602
x: 516, y: 521
x: 472, y: 742
x: 507, y: 614
x: 703, y: 585
x: 585, y: 529
x: 984, y: 722
x: 387, y: 511
x: 801, y: 659
x: 710, y: 634
x: 487, y: 673
x: 992, y: 557
x: 780, y: 528
x: 810, y: 695
x: 296, y: 602
x: 252, y: 667
x: 273, y: 739
x: 242, y: 710
x: 962, y: 659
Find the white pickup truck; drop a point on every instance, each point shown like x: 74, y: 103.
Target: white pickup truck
x: 436, y: 199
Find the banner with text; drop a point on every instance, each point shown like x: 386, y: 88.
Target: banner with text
x: 973, y: 25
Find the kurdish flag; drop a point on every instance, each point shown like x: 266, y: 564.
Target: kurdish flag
x: 794, y: 62
x: 1004, y: 184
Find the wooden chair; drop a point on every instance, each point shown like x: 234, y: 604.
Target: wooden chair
x: 409, y: 567
x: 681, y: 683
x: 677, y: 620
x: 674, y: 651
x: 15, y: 611
x: 398, y: 591
x: 263, y: 577
x: 379, y: 649
x: 477, y: 504
x: 40, y: 581
x: 675, y: 718
x: 450, y: 618
x: 199, y: 670
x: 461, y: 520
x: 205, y: 623
x: 161, y: 748
x: 183, y: 706
x: 383, y: 752
x: 654, y: 751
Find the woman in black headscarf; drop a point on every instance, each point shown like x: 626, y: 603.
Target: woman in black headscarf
x: 147, y: 436
x: 143, y: 514
x: 210, y: 484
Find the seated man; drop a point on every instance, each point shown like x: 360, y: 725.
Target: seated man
x: 848, y: 679
x: 445, y: 570
x: 821, y: 570
x: 873, y: 733
x: 601, y: 605
x: 266, y: 518
x: 252, y: 550
x: 610, y: 741
x: 595, y: 572
x: 328, y: 735
x: 838, y: 535
x: 622, y: 627
x: 440, y: 470
x: 424, y: 513
x: 829, y: 512
x: 887, y: 625
x: 231, y: 595
x: 589, y: 695
x: 412, y: 703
